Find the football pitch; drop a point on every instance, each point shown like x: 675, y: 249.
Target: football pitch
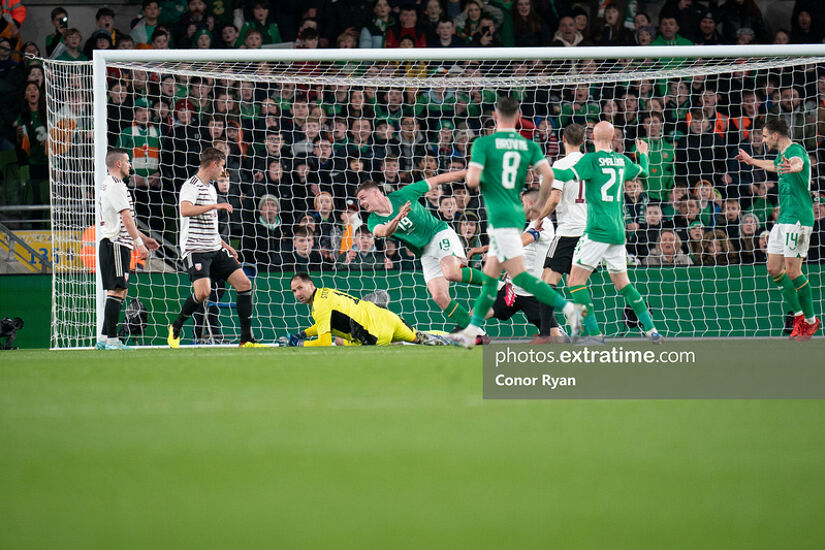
x: 386, y: 448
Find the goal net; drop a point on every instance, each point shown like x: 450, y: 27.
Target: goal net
x: 302, y: 129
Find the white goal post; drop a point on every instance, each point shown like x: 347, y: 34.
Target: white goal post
x: 609, y: 72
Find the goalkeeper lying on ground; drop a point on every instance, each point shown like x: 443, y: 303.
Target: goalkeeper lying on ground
x: 352, y: 320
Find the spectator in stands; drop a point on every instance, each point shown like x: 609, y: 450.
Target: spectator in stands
x: 447, y: 209
x: 398, y: 257
x: 373, y: 35
x: 160, y: 38
x: 329, y: 234
x: 105, y: 27
x: 407, y: 27
x: 60, y: 21
x: 669, y: 34
x: 143, y: 29
x: 119, y: 110
x: 304, y: 256
x: 31, y: 132
x: 688, y: 213
x: 643, y: 239
x: 468, y: 21
x: 445, y: 35
x: 700, y: 154
x: 644, y: 36
x: 738, y: 14
x: 71, y: 42
x: 661, y: 155
x: 488, y: 35
x: 362, y: 256
x: 263, y: 23
x: 262, y: 242
x: 716, y: 249
x: 709, y: 201
x: 580, y: 109
x: 803, y: 30
x: 731, y: 219
x: 791, y: 110
x: 613, y: 32
x: 668, y: 251
x: 745, y: 36
x: 529, y: 29
x: 567, y: 35
x: 686, y: 14
x: 749, y: 252
x: 708, y: 35
x: 254, y: 40
x: 635, y: 202
x: 695, y: 242
x: 743, y: 176
x: 143, y: 141
x: 389, y: 177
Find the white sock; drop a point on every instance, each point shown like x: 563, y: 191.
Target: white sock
x: 811, y: 321
x: 797, y: 314
x: 568, y: 308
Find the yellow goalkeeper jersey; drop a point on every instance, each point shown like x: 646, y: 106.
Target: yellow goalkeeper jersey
x: 356, y: 321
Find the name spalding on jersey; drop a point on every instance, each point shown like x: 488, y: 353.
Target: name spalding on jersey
x: 510, y: 143
x: 611, y: 161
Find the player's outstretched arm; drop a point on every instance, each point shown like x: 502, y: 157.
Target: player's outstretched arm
x: 542, y: 206
x: 790, y: 165
x: 387, y: 229
x: 766, y: 165
x: 473, y: 176
x: 446, y: 177
x: 188, y: 210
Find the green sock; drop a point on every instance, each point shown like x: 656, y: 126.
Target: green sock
x: 786, y: 286
x: 634, y: 300
x: 582, y: 297
x: 472, y: 276
x: 803, y: 291
x: 457, y: 313
x: 542, y: 291
x: 485, y: 300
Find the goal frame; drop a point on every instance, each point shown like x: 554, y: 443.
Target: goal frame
x: 102, y: 57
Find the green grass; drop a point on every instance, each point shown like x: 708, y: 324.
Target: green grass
x: 384, y: 448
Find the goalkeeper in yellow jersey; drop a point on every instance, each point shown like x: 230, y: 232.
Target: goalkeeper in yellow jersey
x: 352, y: 320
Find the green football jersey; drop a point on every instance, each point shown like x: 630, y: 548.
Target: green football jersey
x: 795, y: 202
x: 504, y: 158
x: 418, y: 228
x: 604, y: 174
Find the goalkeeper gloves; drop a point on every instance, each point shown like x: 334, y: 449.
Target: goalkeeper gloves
x: 293, y: 340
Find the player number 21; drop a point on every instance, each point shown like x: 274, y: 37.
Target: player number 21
x: 614, y: 174
x: 509, y: 169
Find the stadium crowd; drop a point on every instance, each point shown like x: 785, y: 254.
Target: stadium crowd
x: 297, y: 153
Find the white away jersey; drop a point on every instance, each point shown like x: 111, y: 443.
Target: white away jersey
x: 115, y: 198
x: 535, y: 253
x: 199, y: 233
x: 571, y: 213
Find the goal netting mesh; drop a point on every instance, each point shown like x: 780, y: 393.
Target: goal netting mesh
x: 300, y: 136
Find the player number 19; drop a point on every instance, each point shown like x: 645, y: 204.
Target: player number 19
x: 509, y: 171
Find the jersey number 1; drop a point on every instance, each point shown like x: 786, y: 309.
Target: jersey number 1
x: 509, y: 169
x: 614, y: 174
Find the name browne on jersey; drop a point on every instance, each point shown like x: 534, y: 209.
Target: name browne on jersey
x: 510, y: 143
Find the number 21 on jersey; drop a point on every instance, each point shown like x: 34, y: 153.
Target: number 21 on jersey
x: 615, y: 175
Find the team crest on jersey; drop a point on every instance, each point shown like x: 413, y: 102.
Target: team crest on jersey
x: 198, y: 267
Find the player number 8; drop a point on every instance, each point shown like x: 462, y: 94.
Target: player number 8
x: 509, y: 171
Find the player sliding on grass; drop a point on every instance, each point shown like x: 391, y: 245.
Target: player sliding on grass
x: 499, y: 164
x: 354, y: 321
x: 790, y: 236
x: 401, y: 216
x: 604, y: 173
